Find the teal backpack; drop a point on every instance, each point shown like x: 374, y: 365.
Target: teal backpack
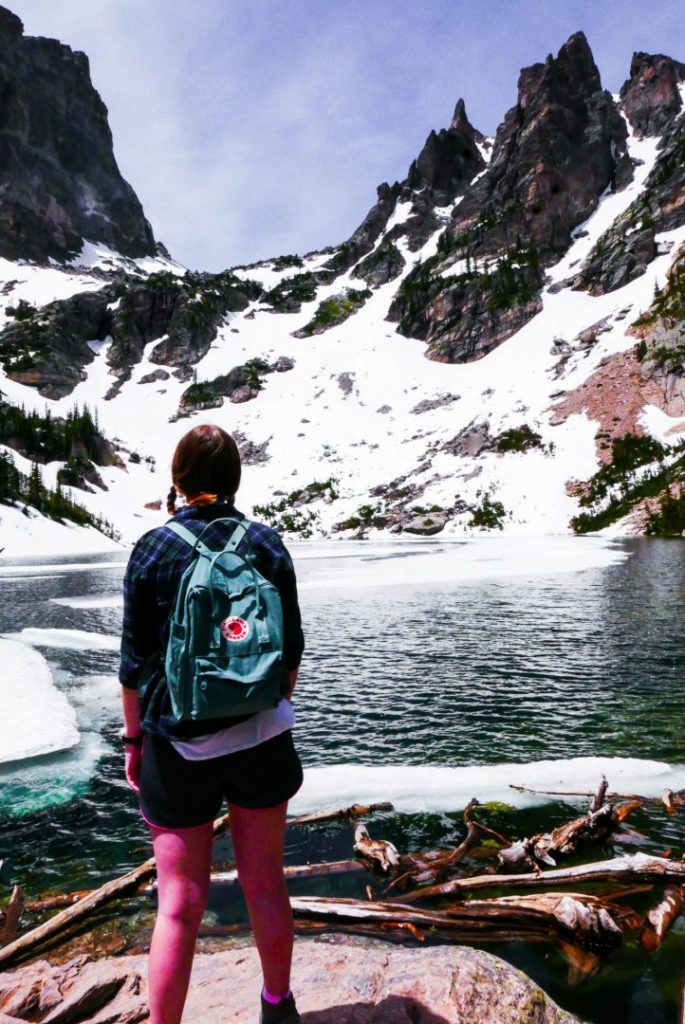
x: 225, y: 651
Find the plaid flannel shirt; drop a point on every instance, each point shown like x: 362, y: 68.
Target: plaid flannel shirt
x: 154, y: 570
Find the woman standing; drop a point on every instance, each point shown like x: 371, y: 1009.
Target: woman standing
x: 182, y: 773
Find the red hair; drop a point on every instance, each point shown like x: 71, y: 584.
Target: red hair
x: 206, y: 461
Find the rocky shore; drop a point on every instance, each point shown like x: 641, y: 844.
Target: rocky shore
x: 337, y: 981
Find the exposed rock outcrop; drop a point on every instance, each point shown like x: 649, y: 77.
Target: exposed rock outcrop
x: 650, y: 97
x: 48, y: 348
x: 661, y: 347
x: 447, y: 163
x: 624, y: 251
x: 240, y: 384
x: 363, y: 239
x: 59, y: 181
x: 335, y: 982
x: 556, y: 152
x: 384, y: 264
x: 652, y: 373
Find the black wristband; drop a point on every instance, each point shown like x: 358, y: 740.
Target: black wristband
x: 132, y: 741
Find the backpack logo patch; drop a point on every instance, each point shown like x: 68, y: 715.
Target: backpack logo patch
x: 234, y: 629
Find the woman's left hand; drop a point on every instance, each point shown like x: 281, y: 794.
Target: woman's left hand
x: 132, y: 760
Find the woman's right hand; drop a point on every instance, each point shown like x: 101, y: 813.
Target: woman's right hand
x: 132, y: 760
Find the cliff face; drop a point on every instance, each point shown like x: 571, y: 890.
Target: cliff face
x: 555, y: 153
x: 59, y: 181
x: 650, y: 97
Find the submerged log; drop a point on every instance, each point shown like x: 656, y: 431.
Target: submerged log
x: 661, y: 918
x: 15, y: 908
x: 636, y: 867
x: 130, y: 883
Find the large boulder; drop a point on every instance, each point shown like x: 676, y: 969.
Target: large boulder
x: 336, y: 982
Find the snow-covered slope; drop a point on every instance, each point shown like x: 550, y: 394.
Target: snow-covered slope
x: 402, y: 442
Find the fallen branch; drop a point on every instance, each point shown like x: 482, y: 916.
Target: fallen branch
x: 293, y: 871
x: 662, y: 917
x: 355, y: 811
x: 636, y: 867
x: 677, y: 798
x: 375, y: 852
x: 600, y: 822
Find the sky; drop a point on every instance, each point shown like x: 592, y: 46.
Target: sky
x: 255, y: 128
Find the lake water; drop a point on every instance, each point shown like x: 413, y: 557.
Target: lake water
x: 434, y: 672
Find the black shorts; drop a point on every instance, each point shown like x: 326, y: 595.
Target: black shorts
x: 177, y: 793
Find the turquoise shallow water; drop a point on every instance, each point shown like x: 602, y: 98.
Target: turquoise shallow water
x: 435, y: 675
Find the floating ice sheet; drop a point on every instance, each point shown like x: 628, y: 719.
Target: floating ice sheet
x: 437, y: 788
x: 448, y: 563
x: 35, y: 717
x: 90, y: 601
x: 67, y: 639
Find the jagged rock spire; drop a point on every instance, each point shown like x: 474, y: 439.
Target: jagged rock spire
x: 650, y: 97
x: 461, y: 123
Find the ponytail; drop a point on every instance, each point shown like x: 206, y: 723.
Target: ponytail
x: 171, y: 501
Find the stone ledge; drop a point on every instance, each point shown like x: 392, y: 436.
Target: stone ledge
x: 336, y: 981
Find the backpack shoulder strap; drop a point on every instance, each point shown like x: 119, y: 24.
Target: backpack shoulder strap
x: 240, y: 531
x: 189, y: 537
x: 195, y: 541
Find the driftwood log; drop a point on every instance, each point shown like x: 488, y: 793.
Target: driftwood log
x: 637, y: 867
x: 582, y: 926
x: 661, y: 918
x: 601, y: 821
x: 130, y: 883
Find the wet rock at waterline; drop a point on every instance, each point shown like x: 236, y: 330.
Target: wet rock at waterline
x: 335, y: 981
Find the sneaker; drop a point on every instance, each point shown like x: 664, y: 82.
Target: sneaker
x: 284, y: 1012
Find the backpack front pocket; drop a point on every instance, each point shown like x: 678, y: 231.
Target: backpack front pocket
x: 225, y: 686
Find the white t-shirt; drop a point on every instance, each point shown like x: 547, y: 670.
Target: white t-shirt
x: 253, y: 731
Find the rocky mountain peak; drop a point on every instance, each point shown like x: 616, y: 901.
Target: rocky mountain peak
x: 59, y: 181
x: 447, y: 163
x: 650, y: 97
x: 10, y: 24
x: 448, y: 160
x: 557, y: 150
x: 554, y: 154
x: 461, y: 123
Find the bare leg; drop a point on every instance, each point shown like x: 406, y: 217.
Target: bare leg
x: 258, y: 836
x: 183, y: 866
